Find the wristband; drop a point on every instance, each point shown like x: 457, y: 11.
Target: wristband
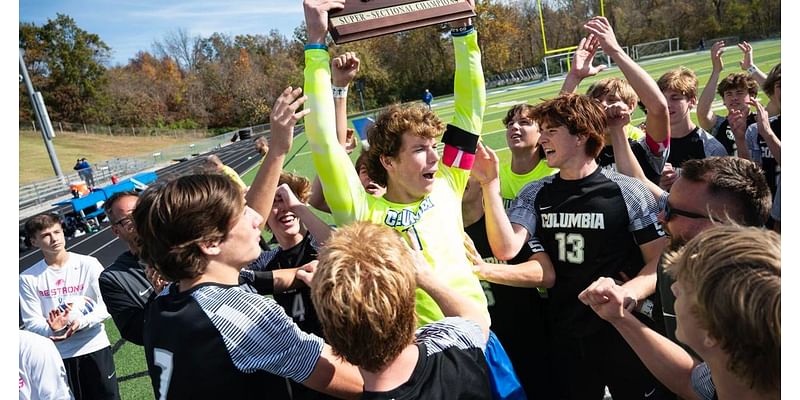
x: 339, y: 92
x: 462, y: 31
x: 752, y: 70
x: 312, y: 46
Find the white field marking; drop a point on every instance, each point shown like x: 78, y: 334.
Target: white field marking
x: 104, y: 246
x: 507, y: 104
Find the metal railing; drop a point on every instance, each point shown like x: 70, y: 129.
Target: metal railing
x: 45, y: 191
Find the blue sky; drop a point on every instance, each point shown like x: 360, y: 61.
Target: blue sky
x: 130, y: 26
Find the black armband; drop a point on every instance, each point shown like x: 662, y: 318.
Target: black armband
x: 262, y: 281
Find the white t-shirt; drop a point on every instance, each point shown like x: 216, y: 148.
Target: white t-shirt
x: 43, y: 288
x: 41, y: 371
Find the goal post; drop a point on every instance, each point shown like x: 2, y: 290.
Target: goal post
x: 549, y: 51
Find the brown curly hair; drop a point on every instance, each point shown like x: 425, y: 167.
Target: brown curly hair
x: 738, y: 80
x: 385, y: 136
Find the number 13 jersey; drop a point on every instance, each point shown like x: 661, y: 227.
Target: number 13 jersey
x: 590, y: 227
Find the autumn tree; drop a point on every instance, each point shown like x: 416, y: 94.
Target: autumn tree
x: 68, y: 67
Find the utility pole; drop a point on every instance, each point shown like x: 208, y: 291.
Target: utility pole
x: 41, y: 117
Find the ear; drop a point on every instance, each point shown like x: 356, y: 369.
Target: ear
x: 387, y: 162
x: 692, y: 103
x: 708, y: 340
x: 210, y: 248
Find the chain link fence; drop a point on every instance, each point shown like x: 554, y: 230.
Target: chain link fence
x: 46, y: 191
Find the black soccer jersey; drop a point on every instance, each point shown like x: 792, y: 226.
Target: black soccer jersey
x: 723, y: 133
x: 591, y: 227
x: 698, y: 144
x: 221, y: 342
x: 761, y: 153
x: 451, y: 364
x: 296, y: 302
x: 651, y: 164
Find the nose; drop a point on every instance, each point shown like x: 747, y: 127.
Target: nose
x: 433, y: 156
x: 256, y: 217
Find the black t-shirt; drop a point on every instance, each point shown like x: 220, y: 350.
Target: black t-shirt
x: 651, y: 165
x: 768, y: 162
x: 698, y: 144
x: 451, y: 364
x: 296, y: 302
x: 221, y: 342
x: 591, y: 227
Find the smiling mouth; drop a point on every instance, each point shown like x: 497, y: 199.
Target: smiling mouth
x: 287, y: 219
x: 428, y: 175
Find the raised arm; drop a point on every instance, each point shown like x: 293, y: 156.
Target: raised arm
x: 747, y: 64
x: 626, y: 162
x: 505, y: 239
x: 284, y: 116
x: 644, y: 86
x: 342, y: 188
x: 765, y: 130
x: 343, y: 68
x: 705, y: 116
x: 667, y: 361
x: 582, y: 67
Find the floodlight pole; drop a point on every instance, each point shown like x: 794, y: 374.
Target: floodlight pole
x: 41, y: 118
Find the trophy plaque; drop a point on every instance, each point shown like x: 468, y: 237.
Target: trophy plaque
x: 362, y: 19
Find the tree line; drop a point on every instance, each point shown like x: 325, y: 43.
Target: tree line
x: 222, y: 81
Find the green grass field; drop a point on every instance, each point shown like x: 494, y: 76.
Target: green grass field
x: 131, y: 367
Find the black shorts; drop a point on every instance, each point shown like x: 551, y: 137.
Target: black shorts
x: 585, y: 366
x: 93, y: 376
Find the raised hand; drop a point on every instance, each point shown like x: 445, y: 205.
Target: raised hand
x: 344, y: 68
x: 668, y: 176
x: 287, y: 196
x: 316, y: 15
x: 762, y: 118
x: 737, y: 120
x: 618, y: 115
x: 487, y: 166
x: 584, y: 57
x: 284, y: 116
x: 716, y: 56
x: 747, y: 55
x: 601, y: 28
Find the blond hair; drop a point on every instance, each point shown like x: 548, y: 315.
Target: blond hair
x: 364, y: 294
x: 614, y: 86
x: 682, y: 80
x: 732, y: 278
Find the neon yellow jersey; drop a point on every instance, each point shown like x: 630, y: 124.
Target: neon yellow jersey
x: 511, y: 183
x: 434, y: 222
x: 633, y: 132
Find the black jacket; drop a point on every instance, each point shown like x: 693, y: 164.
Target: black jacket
x: 126, y: 292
